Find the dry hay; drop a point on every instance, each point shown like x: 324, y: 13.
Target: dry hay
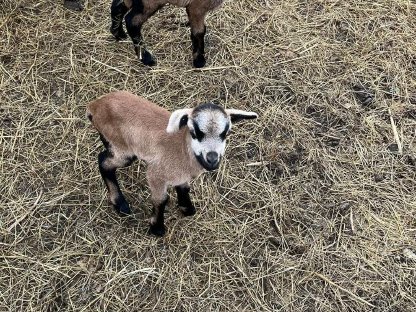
x: 313, y: 209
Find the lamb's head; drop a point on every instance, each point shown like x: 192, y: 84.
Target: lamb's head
x: 208, y: 125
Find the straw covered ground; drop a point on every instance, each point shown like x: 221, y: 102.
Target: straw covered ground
x: 313, y: 208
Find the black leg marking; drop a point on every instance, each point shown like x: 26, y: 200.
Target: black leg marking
x: 157, y: 226
x: 108, y: 173
x: 121, y: 205
x: 134, y: 22
x: 118, y: 10
x: 134, y: 30
x: 198, y: 49
x: 105, y: 142
x: 136, y: 36
x: 197, y: 22
x: 130, y: 160
x: 184, y: 200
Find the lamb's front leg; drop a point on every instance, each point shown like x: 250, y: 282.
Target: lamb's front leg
x: 157, y: 221
x: 159, y: 200
x: 184, y: 200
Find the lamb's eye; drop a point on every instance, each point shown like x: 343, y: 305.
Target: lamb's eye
x: 198, y: 134
x: 225, y: 133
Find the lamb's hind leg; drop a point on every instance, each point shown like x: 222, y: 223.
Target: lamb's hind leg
x: 134, y: 21
x: 108, y: 164
x: 196, y: 18
x: 118, y: 10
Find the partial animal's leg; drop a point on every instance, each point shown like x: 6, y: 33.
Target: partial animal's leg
x: 196, y: 18
x: 184, y: 200
x: 108, y: 165
x: 118, y: 10
x: 134, y: 22
x: 159, y: 200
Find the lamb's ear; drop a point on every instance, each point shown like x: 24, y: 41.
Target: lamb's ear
x: 237, y: 115
x: 178, y: 119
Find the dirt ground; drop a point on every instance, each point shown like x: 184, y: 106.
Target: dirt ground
x: 313, y: 208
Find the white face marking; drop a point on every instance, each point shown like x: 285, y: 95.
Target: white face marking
x: 211, y: 123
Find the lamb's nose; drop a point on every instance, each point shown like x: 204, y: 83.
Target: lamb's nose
x: 212, y: 158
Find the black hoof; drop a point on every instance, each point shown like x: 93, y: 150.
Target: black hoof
x: 147, y: 58
x: 199, y: 61
x: 188, y: 211
x: 157, y: 230
x: 118, y: 33
x: 122, y: 207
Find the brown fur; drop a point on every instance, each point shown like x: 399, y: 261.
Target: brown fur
x: 196, y: 9
x: 131, y: 126
x: 134, y: 126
